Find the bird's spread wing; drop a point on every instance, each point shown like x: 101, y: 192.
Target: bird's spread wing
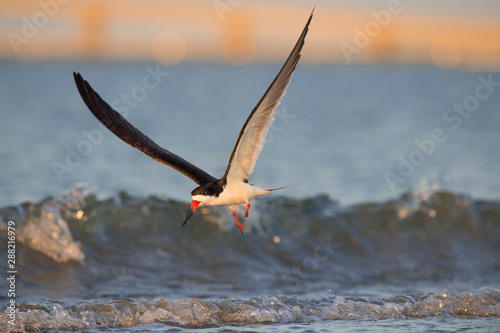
x: 131, y: 135
x: 254, y: 131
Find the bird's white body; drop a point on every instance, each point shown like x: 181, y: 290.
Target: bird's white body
x: 234, y: 193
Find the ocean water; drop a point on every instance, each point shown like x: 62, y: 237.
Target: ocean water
x: 390, y: 221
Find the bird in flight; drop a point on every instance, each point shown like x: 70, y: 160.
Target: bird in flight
x: 233, y: 188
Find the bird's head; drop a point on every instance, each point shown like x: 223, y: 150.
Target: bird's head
x: 201, y: 196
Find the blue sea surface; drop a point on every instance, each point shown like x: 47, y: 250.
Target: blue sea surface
x: 390, y: 220
x: 350, y: 132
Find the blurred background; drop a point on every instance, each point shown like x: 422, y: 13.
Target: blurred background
x: 445, y: 33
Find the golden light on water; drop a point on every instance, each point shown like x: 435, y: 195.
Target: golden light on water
x: 238, y: 49
x: 169, y: 48
x: 92, y: 21
x: 402, y: 213
x: 446, y: 52
x: 238, y: 45
x: 79, y: 214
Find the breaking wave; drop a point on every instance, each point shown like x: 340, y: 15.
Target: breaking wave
x: 193, y: 313
x: 126, y: 261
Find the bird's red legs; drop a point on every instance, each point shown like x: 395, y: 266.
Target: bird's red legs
x: 237, y: 222
x: 248, y: 207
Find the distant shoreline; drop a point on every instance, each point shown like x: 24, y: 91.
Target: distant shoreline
x: 175, y: 31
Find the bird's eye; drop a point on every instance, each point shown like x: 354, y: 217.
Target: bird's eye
x: 199, y: 191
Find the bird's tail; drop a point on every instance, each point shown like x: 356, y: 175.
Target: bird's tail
x: 276, y: 188
x: 260, y: 191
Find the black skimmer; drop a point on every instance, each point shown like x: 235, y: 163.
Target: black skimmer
x: 233, y: 188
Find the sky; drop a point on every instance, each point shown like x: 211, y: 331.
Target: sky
x: 469, y: 8
x: 447, y: 33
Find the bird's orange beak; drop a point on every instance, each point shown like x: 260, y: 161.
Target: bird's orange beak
x: 192, y: 209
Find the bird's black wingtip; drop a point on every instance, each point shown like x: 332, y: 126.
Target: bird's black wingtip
x: 311, y: 16
x: 78, y: 77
